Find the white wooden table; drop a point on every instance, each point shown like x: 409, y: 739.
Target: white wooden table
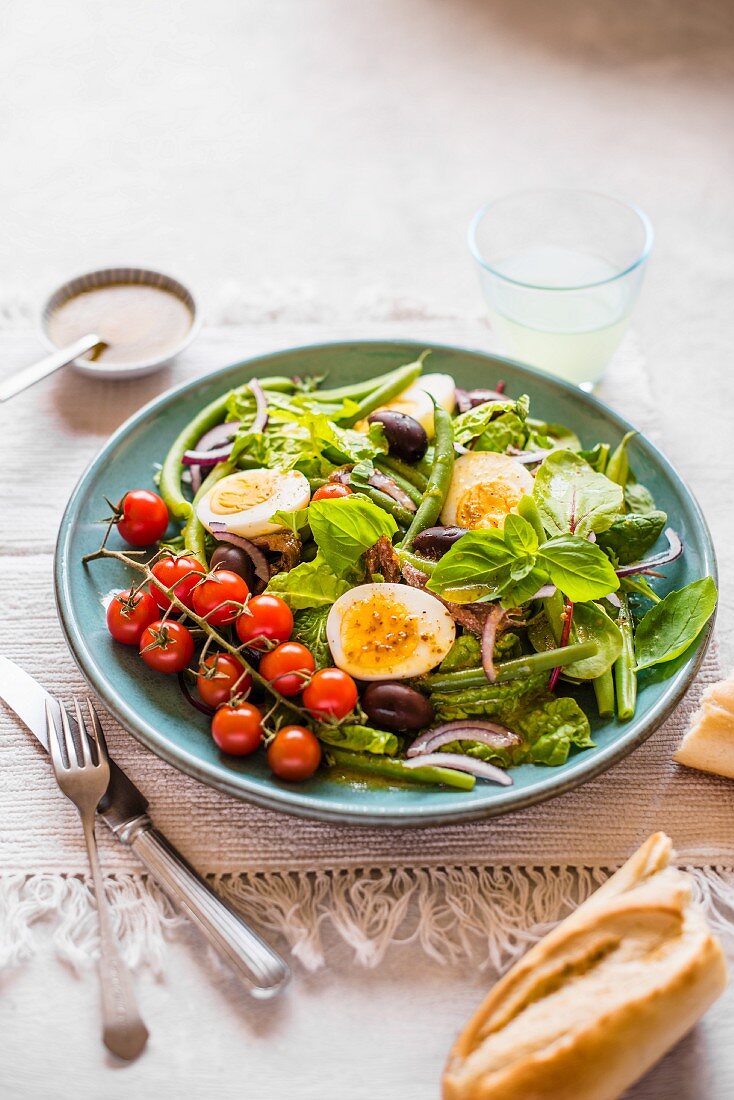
x: 304, y: 163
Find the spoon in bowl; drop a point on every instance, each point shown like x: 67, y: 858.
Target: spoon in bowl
x: 22, y: 379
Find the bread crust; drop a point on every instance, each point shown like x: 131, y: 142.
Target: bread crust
x: 560, y: 1026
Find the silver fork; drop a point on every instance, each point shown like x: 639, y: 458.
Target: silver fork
x: 84, y: 782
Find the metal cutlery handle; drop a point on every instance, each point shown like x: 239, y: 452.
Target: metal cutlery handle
x: 28, y: 376
x: 263, y: 970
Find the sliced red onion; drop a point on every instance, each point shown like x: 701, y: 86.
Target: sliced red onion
x: 385, y: 484
x: 614, y: 599
x: 196, y: 478
x: 467, y: 729
x: 675, y: 549
x: 207, y: 458
x: 544, y: 593
x: 254, y: 553
x: 463, y: 401
x: 459, y: 763
x: 260, y: 422
x: 489, y: 636
x: 527, y: 458
x: 208, y: 711
x: 461, y: 449
x: 218, y: 436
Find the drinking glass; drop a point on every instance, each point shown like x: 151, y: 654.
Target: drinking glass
x: 560, y: 271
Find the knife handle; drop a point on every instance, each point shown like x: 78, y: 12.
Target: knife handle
x: 248, y: 955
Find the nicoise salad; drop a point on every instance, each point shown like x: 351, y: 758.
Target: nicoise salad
x: 399, y: 579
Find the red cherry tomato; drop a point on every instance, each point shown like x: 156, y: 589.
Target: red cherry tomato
x: 237, y: 730
x: 144, y: 517
x: 167, y: 646
x: 220, y: 675
x: 332, y: 491
x: 294, y: 753
x: 128, y: 615
x: 182, y: 573
x: 330, y: 693
x: 265, y: 620
x: 288, y: 667
x: 219, y: 598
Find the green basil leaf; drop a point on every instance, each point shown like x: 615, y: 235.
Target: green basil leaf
x: 630, y: 537
x: 578, y: 568
x: 572, y: 497
x: 519, y: 535
x: 344, y: 528
x: 478, y: 559
x: 310, y: 584
x: 670, y: 626
x: 297, y: 521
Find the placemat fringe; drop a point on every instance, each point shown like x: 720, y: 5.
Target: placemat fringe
x: 486, y: 915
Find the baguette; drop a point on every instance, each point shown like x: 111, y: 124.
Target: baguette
x: 591, y: 1007
x: 709, y: 743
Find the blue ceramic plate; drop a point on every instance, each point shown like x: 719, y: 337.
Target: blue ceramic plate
x: 150, y: 705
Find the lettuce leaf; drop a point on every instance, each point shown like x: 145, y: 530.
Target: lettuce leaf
x: 478, y: 422
x: 359, y: 738
x: 309, y: 628
x: 310, y: 584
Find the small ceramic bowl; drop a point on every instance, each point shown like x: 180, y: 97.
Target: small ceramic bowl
x: 112, y: 276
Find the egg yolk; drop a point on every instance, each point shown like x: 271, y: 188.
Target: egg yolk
x: 485, y: 505
x: 237, y: 494
x: 378, y: 633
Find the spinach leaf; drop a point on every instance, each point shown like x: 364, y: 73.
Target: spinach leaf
x: 631, y: 536
x: 309, y: 628
x: 579, y: 568
x: 597, y: 457
x: 310, y: 584
x: 670, y: 626
x: 590, y: 624
x: 344, y: 528
x: 359, y: 738
x: 638, y: 498
x: 572, y: 497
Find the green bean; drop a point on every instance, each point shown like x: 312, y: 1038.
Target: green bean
x: 355, y: 390
x: 410, y: 490
x: 387, y: 503
x: 515, y: 669
x: 528, y: 509
x: 384, y: 393
x: 604, y: 692
x: 439, y: 480
x: 423, y: 564
x: 194, y: 532
x: 212, y: 414
x: 625, y: 676
x: 407, y: 472
x: 386, y: 768
x: 425, y: 464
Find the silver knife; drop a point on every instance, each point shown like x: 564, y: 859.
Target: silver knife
x: 125, y: 810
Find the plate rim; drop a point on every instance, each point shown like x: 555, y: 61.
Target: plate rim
x: 288, y: 800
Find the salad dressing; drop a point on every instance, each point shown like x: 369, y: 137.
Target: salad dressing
x: 137, y: 322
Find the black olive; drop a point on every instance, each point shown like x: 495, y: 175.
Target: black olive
x: 434, y: 542
x: 396, y: 707
x: 406, y: 438
x: 232, y: 557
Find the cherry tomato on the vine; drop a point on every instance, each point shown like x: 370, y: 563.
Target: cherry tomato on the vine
x: 294, y: 753
x: 181, y: 572
x: 219, y: 675
x: 237, y: 730
x: 332, y: 491
x: 129, y: 613
x: 219, y: 598
x: 330, y: 693
x: 167, y: 646
x: 288, y: 667
x: 267, y: 620
x: 144, y: 517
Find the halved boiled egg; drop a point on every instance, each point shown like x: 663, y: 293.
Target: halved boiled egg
x: 485, y: 487
x: 388, y: 632
x: 416, y: 400
x: 246, y: 502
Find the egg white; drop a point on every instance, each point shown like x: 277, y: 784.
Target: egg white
x: 485, y: 487
x: 246, y: 501
x: 388, y: 632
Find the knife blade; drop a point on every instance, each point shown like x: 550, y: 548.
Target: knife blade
x: 125, y: 810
